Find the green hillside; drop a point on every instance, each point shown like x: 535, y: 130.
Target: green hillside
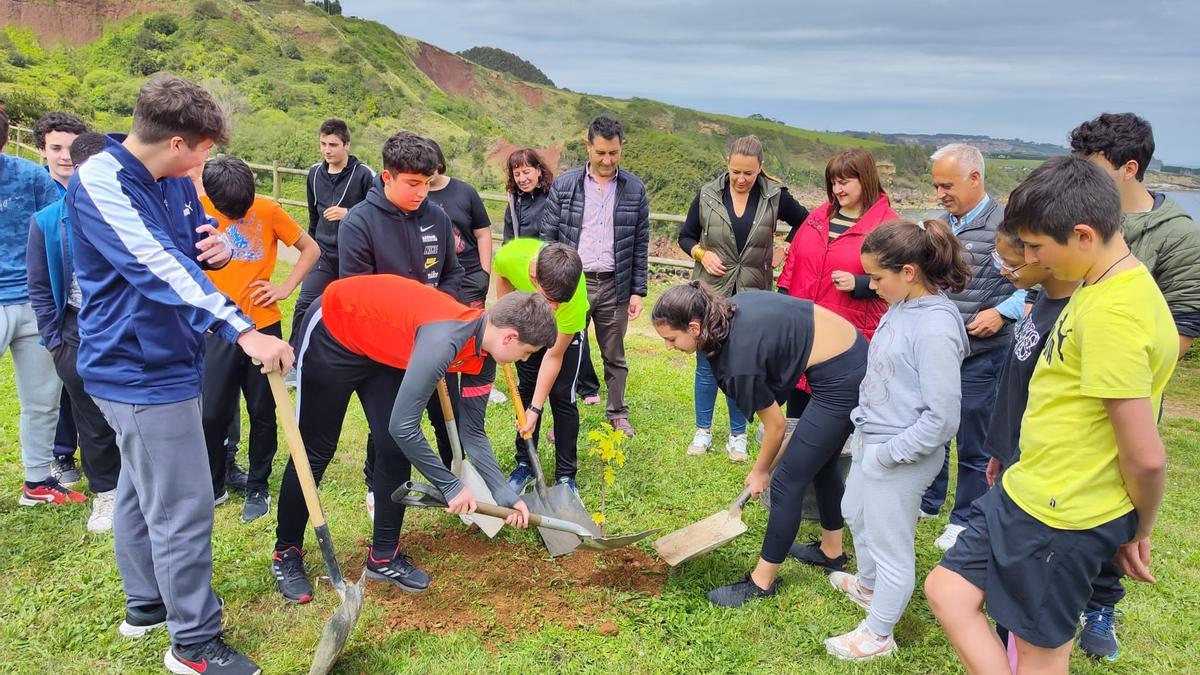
x: 281, y: 67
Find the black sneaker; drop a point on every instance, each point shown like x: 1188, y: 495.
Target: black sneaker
x: 741, y: 592
x: 235, y: 476
x: 811, y: 554
x: 65, y: 470
x: 288, y: 569
x: 141, y: 620
x: 258, y: 503
x: 211, y: 658
x: 399, y: 571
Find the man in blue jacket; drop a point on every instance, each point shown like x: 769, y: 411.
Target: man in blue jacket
x: 141, y: 241
x: 56, y: 299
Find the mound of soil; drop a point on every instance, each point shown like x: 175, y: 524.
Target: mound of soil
x: 502, y: 589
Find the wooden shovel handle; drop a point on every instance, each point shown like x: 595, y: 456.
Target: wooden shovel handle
x: 291, y: 434
x: 510, y: 378
x: 443, y: 393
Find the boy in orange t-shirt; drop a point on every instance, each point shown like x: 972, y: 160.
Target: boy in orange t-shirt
x: 255, y: 227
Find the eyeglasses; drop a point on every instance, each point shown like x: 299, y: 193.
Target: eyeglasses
x: 1004, y: 268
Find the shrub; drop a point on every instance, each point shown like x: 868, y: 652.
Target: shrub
x: 163, y: 24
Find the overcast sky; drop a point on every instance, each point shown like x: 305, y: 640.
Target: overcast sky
x: 1010, y: 68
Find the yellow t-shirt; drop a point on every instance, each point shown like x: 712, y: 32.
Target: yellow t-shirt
x: 1114, y: 340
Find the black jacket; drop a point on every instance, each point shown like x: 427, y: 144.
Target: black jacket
x: 529, y: 207
x: 346, y: 188
x: 562, y: 220
x: 378, y: 238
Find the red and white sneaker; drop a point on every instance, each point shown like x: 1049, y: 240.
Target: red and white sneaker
x: 860, y: 644
x: 50, y: 491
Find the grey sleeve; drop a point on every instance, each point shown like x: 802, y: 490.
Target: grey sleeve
x: 436, y: 345
x: 940, y: 397
x: 472, y: 410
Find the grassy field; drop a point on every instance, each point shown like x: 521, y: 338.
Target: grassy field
x: 516, y: 611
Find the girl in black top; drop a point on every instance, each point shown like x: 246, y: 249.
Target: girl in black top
x: 760, y: 344
x: 472, y: 230
x: 528, y: 182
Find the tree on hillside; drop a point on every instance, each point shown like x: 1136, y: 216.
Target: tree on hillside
x: 506, y: 62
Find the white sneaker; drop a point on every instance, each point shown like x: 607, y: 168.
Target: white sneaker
x: 371, y: 505
x: 497, y: 396
x: 736, y: 447
x: 101, y: 519
x: 949, y: 537
x: 221, y: 498
x: 848, y: 584
x: 860, y: 644
x: 701, y: 442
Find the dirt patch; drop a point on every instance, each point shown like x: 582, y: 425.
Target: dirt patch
x: 74, y: 22
x: 1181, y: 408
x: 502, y: 589
x: 499, y: 154
x: 532, y: 95
x: 450, y: 73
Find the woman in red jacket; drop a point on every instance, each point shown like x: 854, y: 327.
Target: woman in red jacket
x: 824, y: 265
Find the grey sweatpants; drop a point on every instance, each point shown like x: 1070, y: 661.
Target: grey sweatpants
x: 881, y: 507
x: 163, y: 521
x: 38, y: 388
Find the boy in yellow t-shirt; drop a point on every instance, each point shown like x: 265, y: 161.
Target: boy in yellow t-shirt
x: 255, y: 226
x: 1092, y: 468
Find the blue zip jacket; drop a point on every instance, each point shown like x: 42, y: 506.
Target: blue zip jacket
x: 48, y: 259
x: 146, y: 301
x: 25, y: 188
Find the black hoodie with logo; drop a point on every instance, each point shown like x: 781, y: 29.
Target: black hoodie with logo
x: 376, y: 237
x: 345, y: 188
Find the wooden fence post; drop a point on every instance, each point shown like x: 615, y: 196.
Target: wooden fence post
x: 276, y: 188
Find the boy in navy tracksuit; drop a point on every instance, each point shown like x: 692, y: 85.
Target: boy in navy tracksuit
x: 56, y: 299
x: 141, y: 239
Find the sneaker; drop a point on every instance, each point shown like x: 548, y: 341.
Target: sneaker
x: 141, y: 620
x: 258, y: 503
x: 736, y: 447
x: 948, y: 537
x: 591, y: 399
x: 49, y: 491
x: 569, y: 482
x: 811, y: 554
x: 103, y: 504
x: 701, y: 442
x: 741, y: 592
x: 370, y: 501
x: 211, y: 658
x: 925, y: 515
x: 497, y: 396
x: 621, y: 424
x: 848, y: 584
x: 860, y: 644
x: 398, y: 571
x: 1099, y: 635
x: 521, y: 477
x: 235, y: 476
x: 221, y: 498
x: 64, y: 469
x: 287, y: 566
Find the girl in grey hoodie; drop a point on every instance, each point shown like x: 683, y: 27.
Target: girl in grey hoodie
x: 908, y: 408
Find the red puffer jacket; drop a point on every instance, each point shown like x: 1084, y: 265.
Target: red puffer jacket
x: 812, y: 259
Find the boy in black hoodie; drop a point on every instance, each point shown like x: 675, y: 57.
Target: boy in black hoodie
x: 333, y: 187
x: 397, y: 231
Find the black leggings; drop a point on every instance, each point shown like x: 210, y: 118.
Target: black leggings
x: 812, y: 455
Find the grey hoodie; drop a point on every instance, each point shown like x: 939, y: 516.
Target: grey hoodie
x: 911, y: 393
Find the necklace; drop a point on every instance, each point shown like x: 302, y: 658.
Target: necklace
x: 1110, y: 268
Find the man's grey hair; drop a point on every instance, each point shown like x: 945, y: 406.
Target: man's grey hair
x: 969, y: 157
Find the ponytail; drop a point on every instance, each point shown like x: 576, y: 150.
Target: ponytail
x: 695, y: 301
x: 929, y: 245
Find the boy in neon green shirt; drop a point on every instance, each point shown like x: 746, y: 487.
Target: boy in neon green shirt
x: 555, y: 271
x: 1092, y: 468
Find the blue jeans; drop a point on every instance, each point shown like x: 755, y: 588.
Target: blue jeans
x: 706, y: 399
x: 980, y: 381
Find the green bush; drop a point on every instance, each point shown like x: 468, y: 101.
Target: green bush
x: 207, y: 9
x: 163, y: 24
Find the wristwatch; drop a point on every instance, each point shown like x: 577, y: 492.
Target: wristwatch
x: 535, y: 409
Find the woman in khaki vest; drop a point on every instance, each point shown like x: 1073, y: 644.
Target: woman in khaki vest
x: 730, y: 233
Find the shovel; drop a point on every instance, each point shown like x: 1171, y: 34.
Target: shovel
x: 463, y: 468
x: 558, y: 501
x: 339, y: 626
x: 716, y: 530
x: 419, y: 494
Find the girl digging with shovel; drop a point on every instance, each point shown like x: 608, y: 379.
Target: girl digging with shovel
x: 760, y: 344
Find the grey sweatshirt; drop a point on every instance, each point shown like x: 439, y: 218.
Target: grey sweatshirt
x: 912, y: 393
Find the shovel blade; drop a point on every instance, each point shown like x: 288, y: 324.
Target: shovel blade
x: 700, y: 537
x: 564, y: 505
x: 610, y: 543
x: 471, y: 477
x: 337, y: 629
x: 558, y: 543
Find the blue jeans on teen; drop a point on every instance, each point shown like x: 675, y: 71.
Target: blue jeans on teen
x: 980, y: 381
x: 705, y: 393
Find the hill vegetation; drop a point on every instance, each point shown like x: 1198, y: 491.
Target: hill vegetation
x: 506, y: 62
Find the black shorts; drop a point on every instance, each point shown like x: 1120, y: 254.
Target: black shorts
x: 1036, y: 579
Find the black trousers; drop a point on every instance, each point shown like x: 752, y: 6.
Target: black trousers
x: 322, y: 274
x: 66, y: 438
x: 329, y: 375
x: 228, y: 373
x: 98, y: 444
x: 812, y: 454
x: 561, y: 403
x: 589, y: 382
x: 436, y: 420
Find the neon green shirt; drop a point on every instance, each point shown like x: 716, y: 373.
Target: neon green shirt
x: 512, y: 263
